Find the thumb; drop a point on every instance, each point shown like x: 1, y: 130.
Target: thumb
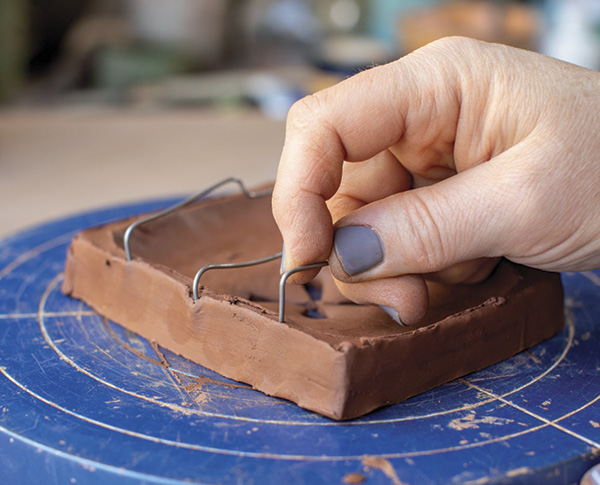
x: 464, y: 217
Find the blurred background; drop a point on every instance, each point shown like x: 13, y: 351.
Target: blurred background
x: 104, y: 101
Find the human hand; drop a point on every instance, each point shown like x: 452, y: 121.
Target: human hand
x: 468, y: 152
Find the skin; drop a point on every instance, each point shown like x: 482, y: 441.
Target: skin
x: 456, y: 155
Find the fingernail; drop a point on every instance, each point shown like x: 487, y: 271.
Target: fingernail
x: 282, y: 268
x: 392, y: 313
x: 358, y: 248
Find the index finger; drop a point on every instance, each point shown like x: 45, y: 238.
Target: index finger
x: 352, y: 121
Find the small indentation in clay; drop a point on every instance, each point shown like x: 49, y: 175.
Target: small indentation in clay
x: 314, y: 313
x: 314, y: 291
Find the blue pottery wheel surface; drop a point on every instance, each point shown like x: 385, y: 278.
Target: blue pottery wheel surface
x: 85, y: 401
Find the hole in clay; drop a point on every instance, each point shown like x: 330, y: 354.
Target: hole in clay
x: 315, y: 292
x: 315, y: 314
x: 107, y: 262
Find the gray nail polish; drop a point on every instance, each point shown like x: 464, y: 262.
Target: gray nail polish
x: 392, y: 313
x: 358, y: 248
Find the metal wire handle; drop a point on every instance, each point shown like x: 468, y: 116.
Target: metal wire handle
x: 283, y: 280
x: 208, y: 267
x: 254, y: 262
x: 243, y: 264
x: 185, y: 202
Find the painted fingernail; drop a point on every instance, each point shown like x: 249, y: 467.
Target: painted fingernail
x: 392, y: 313
x: 358, y: 248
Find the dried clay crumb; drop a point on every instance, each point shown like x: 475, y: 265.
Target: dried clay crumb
x: 354, y: 478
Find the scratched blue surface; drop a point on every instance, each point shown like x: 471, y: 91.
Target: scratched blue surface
x: 83, y: 400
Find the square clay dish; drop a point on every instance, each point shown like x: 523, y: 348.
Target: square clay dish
x: 345, y: 365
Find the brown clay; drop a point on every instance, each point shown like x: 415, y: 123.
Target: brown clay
x: 343, y: 366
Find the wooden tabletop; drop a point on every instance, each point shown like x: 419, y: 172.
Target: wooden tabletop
x: 60, y: 161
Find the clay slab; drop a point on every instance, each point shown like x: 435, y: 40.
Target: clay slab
x: 347, y: 364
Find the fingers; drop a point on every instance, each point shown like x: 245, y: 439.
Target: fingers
x: 354, y: 121
x: 496, y: 171
x: 405, y: 297
x: 463, y: 218
x: 380, y: 177
x: 444, y: 109
x: 469, y: 272
x: 366, y: 182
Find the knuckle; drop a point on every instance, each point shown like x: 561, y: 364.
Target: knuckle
x: 453, y: 44
x: 305, y: 111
